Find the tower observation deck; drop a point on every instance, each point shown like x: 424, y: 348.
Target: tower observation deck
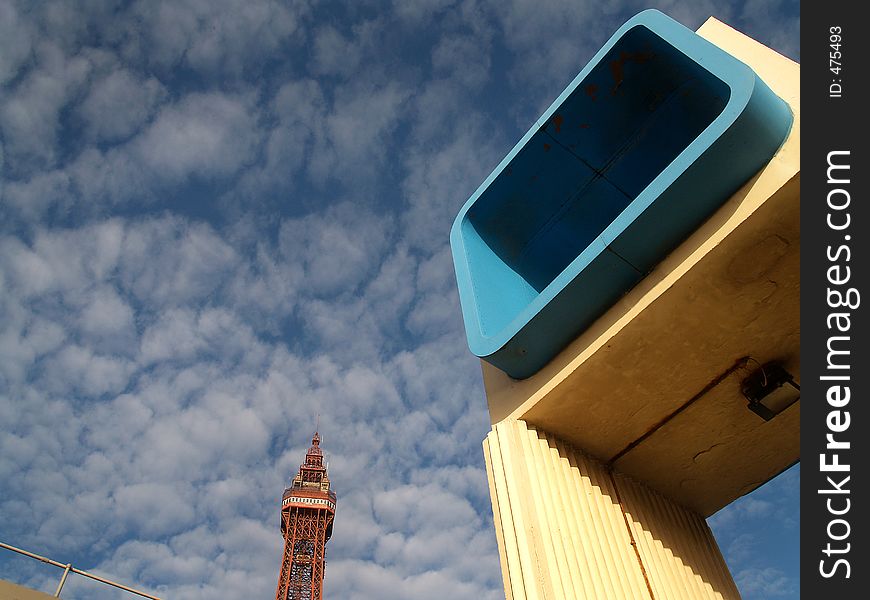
x: 307, y: 514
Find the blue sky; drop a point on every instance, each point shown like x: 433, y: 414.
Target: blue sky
x: 219, y: 218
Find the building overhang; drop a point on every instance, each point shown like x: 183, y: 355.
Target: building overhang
x: 653, y: 387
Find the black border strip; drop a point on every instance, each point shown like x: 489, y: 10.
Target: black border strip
x: 834, y: 105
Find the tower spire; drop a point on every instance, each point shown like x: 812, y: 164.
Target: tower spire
x: 307, y: 514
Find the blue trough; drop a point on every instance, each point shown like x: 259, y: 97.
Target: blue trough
x: 655, y: 133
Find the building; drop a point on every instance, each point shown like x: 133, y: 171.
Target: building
x: 307, y: 514
x: 630, y: 278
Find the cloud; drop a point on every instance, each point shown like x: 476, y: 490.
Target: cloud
x: 463, y: 57
x: 170, y: 261
x: 118, y: 104
x: 765, y: 583
x: 15, y: 41
x: 759, y: 536
x: 203, y: 139
x: 338, y: 249
x: 155, y: 509
x: 23, y: 339
x: 356, y: 131
x: 205, y: 135
x: 437, y: 308
x: 30, y: 115
x: 336, y: 54
x: 420, y: 11
x: 440, y: 179
x: 777, y: 21
x: 87, y: 372
x: 215, y: 38
x: 299, y: 111
x: 550, y: 40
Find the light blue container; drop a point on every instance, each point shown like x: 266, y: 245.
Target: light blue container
x: 655, y: 133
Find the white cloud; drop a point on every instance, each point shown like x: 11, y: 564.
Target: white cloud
x: 300, y: 109
x: 216, y: 38
x: 420, y: 11
x: 110, y: 319
x: 333, y: 53
x: 86, y: 372
x: 551, y: 39
x: 777, y: 21
x: 118, y: 104
x: 156, y: 509
x: 437, y: 308
x: 23, y: 339
x: 765, y: 583
x: 205, y: 135
x: 170, y: 261
x: 15, y: 41
x: 30, y: 114
x: 339, y: 249
x: 173, y: 336
x: 439, y: 180
x: 354, y: 142
x: 464, y: 57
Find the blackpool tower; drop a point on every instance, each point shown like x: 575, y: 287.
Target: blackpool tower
x: 307, y: 513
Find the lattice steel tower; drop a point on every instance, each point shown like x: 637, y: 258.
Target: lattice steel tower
x: 307, y: 512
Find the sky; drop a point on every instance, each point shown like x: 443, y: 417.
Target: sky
x: 220, y: 219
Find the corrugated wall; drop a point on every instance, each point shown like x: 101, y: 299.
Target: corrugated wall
x: 569, y: 528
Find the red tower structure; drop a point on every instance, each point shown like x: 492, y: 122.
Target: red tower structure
x: 307, y: 513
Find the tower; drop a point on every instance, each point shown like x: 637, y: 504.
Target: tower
x: 307, y: 513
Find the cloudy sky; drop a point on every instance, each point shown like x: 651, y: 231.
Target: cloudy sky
x: 219, y: 218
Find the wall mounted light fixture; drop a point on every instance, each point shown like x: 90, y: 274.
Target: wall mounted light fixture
x: 770, y: 389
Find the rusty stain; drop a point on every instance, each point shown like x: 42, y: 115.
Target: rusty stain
x: 547, y: 147
x: 738, y: 364
x: 557, y: 122
x: 591, y: 90
x: 584, y: 126
x: 617, y: 67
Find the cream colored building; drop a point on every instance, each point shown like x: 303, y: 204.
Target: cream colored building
x: 604, y: 465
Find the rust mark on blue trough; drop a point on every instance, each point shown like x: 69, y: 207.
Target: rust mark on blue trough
x: 591, y: 90
x: 617, y: 67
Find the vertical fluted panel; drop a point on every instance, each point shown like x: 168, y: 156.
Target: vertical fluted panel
x: 494, y: 490
x: 567, y: 527
x: 677, y: 547
x: 576, y: 541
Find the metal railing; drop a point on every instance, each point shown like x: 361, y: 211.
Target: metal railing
x: 68, y: 568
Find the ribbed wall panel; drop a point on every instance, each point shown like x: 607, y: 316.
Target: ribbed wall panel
x: 677, y: 547
x: 567, y: 527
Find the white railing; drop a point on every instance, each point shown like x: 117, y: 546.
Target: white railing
x: 68, y: 568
